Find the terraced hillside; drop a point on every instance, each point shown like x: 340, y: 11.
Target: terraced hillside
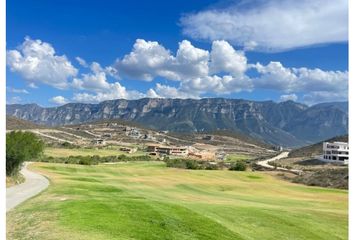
x: 117, y: 134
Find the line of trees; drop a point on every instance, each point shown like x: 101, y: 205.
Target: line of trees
x: 93, y: 160
x: 20, y: 147
x: 204, y: 165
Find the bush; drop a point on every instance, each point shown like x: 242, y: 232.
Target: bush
x: 238, y: 166
x: 66, y: 144
x: 20, y: 147
x: 93, y: 160
x: 212, y: 167
x: 177, y: 163
x: 191, y: 164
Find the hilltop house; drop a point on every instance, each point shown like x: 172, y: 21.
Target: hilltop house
x: 336, y: 152
x: 128, y: 150
x: 167, y: 150
x: 99, y: 142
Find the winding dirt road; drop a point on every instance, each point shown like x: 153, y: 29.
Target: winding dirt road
x: 34, y: 184
x: 265, y: 163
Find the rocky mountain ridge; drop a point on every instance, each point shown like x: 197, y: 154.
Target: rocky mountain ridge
x: 285, y: 123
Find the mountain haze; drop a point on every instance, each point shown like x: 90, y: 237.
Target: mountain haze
x: 286, y: 123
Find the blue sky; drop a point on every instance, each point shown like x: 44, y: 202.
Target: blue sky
x: 259, y: 50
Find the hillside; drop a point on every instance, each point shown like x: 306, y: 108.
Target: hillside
x: 13, y: 123
x: 286, y: 123
x: 117, y: 133
x: 315, y: 149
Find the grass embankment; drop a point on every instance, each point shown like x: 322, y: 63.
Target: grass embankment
x: 146, y: 200
x: 14, y: 180
x: 237, y: 157
x: 104, y: 152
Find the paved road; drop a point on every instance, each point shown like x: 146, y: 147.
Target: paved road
x: 265, y: 163
x: 34, y: 184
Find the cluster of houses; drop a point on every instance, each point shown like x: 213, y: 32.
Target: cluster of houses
x: 183, y: 151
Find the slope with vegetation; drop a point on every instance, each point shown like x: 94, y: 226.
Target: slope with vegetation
x: 13, y: 123
x: 315, y: 149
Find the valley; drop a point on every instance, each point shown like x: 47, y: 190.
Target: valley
x: 105, y: 169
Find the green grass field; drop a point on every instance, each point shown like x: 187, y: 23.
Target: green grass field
x: 237, y: 157
x: 66, y: 152
x: 146, y: 200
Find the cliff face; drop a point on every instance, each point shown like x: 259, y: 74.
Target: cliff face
x: 287, y: 123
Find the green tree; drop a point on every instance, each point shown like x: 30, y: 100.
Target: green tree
x: 238, y: 166
x: 20, y: 147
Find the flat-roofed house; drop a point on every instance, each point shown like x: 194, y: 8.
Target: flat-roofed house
x: 128, y: 150
x: 99, y: 141
x: 336, y: 152
x: 167, y: 150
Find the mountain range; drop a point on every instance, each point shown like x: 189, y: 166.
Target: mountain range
x: 286, y: 123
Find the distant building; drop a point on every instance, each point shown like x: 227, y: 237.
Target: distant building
x: 278, y: 148
x: 99, y: 141
x: 167, y: 150
x: 208, y: 137
x: 107, y: 135
x: 133, y: 132
x: 336, y: 152
x: 128, y: 150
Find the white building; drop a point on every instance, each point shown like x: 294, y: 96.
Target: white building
x: 337, y: 152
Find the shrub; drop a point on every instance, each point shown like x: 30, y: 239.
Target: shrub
x: 212, y: 167
x: 238, y: 166
x: 66, y: 145
x: 92, y: 160
x: 177, y: 163
x: 20, y: 147
x: 192, y: 164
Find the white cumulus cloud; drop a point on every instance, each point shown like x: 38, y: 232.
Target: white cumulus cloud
x: 287, y: 97
x: 277, y: 77
x: 314, y: 97
x: 59, y: 100
x: 81, y: 61
x: 225, y: 58
x: 165, y: 91
x: 95, y: 81
x: 32, y: 85
x: 14, y: 100
x: 16, y: 90
x: 191, y: 66
x: 274, y: 25
x: 115, y: 91
x: 196, y: 72
x: 145, y: 61
x: 37, y: 61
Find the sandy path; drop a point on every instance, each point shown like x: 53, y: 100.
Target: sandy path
x: 34, y: 184
x: 265, y: 163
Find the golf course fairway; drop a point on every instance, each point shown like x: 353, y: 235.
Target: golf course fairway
x: 146, y: 200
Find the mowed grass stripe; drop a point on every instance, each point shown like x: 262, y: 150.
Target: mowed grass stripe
x: 146, y: 200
